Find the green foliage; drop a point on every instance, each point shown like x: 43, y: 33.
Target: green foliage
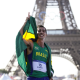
x: 3, y: 71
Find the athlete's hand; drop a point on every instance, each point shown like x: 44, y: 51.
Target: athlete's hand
x: 21, y: 30
x: 51, y: 78
x: 28, y: 16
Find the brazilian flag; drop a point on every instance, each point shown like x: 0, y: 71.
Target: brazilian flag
x: 29, y: 32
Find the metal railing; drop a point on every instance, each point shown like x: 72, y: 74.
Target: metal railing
x: 62, y: 32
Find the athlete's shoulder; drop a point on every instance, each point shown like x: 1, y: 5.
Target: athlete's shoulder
x: 47, y: 46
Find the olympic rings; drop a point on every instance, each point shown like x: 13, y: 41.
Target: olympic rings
x: 43, y: 12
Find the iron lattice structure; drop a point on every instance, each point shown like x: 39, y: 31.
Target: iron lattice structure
x: 67, y: 18
x: 67, y: 38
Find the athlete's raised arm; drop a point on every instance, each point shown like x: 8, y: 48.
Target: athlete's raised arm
x: 21, y: 30
x: 29, y: 43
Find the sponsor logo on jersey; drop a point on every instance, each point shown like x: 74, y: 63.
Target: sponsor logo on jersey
x: 40, y: 66
x: 37, y: 48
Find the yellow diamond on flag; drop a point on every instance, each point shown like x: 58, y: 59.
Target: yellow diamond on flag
x: 28, y: 35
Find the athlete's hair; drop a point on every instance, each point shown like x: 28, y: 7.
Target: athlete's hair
x: 42, y: 26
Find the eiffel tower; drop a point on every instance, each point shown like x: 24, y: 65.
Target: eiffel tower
x: 65, y: 40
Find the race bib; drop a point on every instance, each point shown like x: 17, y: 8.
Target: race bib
x: 39, y: 66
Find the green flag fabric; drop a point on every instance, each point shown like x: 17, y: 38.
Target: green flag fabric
x: 20, y: 45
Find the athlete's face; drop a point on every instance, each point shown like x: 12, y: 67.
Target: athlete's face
x: 41, y: 33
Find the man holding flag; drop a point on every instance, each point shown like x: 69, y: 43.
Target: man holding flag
x: 33, y: 54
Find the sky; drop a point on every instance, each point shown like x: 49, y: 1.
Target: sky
x: 12, y: 16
